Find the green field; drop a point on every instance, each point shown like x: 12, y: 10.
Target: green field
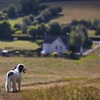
x: 82, y: 76
x: 18, y: 45
x: 15, y: 21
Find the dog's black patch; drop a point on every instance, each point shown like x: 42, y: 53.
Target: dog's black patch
x: 21, y: 68
x: 10, y: 74
x: 14, y: 68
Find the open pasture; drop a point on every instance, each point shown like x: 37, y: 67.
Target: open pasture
x: 18, y: 45
x: 82, y: 77
x: 75, y: 10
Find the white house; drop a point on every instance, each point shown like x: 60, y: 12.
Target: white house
x: 54, y: 43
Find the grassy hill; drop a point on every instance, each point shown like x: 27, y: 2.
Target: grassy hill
x: 82, y: 78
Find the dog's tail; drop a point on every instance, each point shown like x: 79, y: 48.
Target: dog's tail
x: 7, y: 83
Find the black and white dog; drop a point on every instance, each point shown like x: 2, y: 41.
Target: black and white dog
x: 14, y: 76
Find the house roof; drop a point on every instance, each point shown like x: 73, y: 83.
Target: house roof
x: 51, y: 38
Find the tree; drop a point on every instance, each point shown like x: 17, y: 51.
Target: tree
x: 96, y: 24
x: 12, y: 11
x: 97, y: 31
x: 3, y: 16
x: 78, y: 36
x: 29, y: 6
x: 41, y: 30
x: 27, y: 21
x: 33, y: 31
x: 5, y: 29
x: 65, y: 29
x: 87, y: 24
x: 74, y: 23
x: 55, y: 10
x: 54, y: 28
x: 24, y: 28
x: 31, y: 17
x: 46, y: 15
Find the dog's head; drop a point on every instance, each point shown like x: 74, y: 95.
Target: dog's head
x: 21, y: 68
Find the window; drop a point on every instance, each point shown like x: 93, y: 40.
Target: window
x: 60, y: 47
x: 56, y: 47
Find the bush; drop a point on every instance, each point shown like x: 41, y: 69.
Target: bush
x: 27, y: 53
x: 88, y: 43
x: 39, y: 42
x: 18, y: 33
x: 74, y: 56
x: 17, y: 26
x: 3, y: 16
x: 66, y: 54
x: 31, y: 17
x: 40, y: 18
x: 27, y: 20
x: 43, y: 6
x: 55, y: 54
x: 55, y: 10
x: 46, y: 14
x: 97, y: 31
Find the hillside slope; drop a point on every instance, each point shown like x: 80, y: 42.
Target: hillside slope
x: 88, y: 10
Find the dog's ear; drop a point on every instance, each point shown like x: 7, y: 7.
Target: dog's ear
x: 14, y: 68
x: 21, y: 68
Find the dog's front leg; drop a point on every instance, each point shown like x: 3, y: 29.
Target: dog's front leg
x: 19, y: 85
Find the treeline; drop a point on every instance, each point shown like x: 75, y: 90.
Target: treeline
x: 41, y: 11
x: 33, y: 12
x: 78, y: 32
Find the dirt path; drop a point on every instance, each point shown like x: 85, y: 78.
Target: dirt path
x: 39, y: 85
x: 92, y: 50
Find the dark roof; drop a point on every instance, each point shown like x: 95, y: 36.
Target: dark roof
x: 51, y: 38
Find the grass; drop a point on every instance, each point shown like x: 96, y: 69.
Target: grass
x: 15, y: 21
x: 70, y: 92
x: 51, y: 69
x: 83, y: 77
x: 91, y: 32
x: 18, y: 44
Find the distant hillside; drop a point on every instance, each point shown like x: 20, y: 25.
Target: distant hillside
x: 6, y: 3
x: 88, y: 10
